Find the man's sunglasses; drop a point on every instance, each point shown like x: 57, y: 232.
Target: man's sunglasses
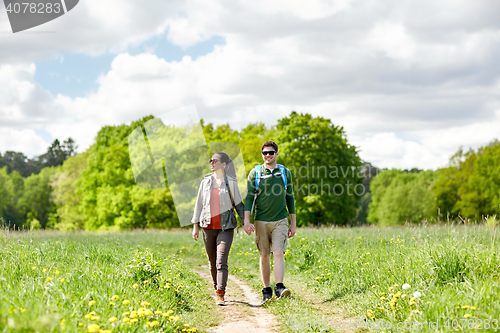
x: 213, y: 160
x: 270, y: 152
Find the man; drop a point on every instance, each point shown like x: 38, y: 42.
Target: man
x: 271, y: 223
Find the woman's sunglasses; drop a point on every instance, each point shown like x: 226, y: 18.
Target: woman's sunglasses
x: 213, y: 160
x: 270, y: 152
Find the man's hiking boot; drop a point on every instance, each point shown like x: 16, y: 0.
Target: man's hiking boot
x: 267, y: 293
x: 220, y: 297
x: 281, y: 291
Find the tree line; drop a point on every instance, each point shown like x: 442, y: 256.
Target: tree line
x: 468, y: 189
x: 96, y: 189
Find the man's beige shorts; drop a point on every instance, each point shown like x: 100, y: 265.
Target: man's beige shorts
x: 271, y: 236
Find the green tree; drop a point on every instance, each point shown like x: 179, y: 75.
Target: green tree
x: 251, y: 139
x: 4, y: 194
x: 221, y: 133
x: 19, y: 162
x: 378, y: 188
x: 36, y: 201
x: 13, y: 183
x: 325, y: 167
x: 399, y: 197
x: 480, y: 196
x: 65, y: 185
x: 460, y: 190
x: 57, y: 153
x: 110, y: 198
x: 453, y: 180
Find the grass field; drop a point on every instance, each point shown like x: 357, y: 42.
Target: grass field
x: 447, y: 275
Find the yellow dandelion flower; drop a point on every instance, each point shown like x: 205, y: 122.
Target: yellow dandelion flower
x: 169, y: 312
x: 126, y: 302
x: 154, y: 323
x: 92, y: 302
x: 134, y: 320
x: 63, y: 322
x: 149, y: 313
x: 125, y: 320
x: 57, y: 272
x: 186, y: 325
x: 80, y: 324
x: 104, y: 331
x: 158, y: 312
x: 49, y: 278
x: 135, y: 285
x: 126, y: 313
x: 466, y: 315
x: 133, y: 315
x: 473, y: 308
x: 62, y: 280
x: 93, y: 328
x: 112, y: 319
x: 112, y: 303
x: 44, y: 270
x: 167, y: 286
x: 33, y: 268
x: 465, y: 306
x: 144, y: 303
x: 115, y: 297
x: 94, y: 318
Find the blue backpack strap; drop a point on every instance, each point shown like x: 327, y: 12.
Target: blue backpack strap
x: 258, y: 174
x: 283, y: 174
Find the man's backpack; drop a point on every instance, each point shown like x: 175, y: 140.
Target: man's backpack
x: 258, y: 177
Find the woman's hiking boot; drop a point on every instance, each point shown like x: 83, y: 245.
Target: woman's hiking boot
x: 220, y: 297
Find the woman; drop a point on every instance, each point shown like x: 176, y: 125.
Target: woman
x: 213, y: 212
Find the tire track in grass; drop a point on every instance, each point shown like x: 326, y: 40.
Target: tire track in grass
x: 242, y: 312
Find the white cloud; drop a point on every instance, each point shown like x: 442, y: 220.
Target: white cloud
x: 25, y: 141
x: 391, y: 39
x: 315, y: 9
x: 407, y: 92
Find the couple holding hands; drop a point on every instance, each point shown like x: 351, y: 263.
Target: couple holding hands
x: 269, y: 194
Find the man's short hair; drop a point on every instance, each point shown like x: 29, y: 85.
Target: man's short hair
x: 269, y: 144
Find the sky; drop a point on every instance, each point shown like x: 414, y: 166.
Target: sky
x: 409, y: 81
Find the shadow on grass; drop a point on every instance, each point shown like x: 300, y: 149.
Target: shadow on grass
x: 344, y: 292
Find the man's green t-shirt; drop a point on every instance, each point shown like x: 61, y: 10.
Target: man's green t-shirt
x: 272, y: 199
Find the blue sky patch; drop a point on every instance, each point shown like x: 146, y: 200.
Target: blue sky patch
x: 75, y: 75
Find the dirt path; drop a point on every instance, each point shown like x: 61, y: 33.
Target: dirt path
x: 242, y: 312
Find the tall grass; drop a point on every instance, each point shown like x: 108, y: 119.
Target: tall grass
x: 449, y: 272
x: 51, y: 282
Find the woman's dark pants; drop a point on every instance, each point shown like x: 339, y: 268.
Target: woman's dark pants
x: 217, y: 245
